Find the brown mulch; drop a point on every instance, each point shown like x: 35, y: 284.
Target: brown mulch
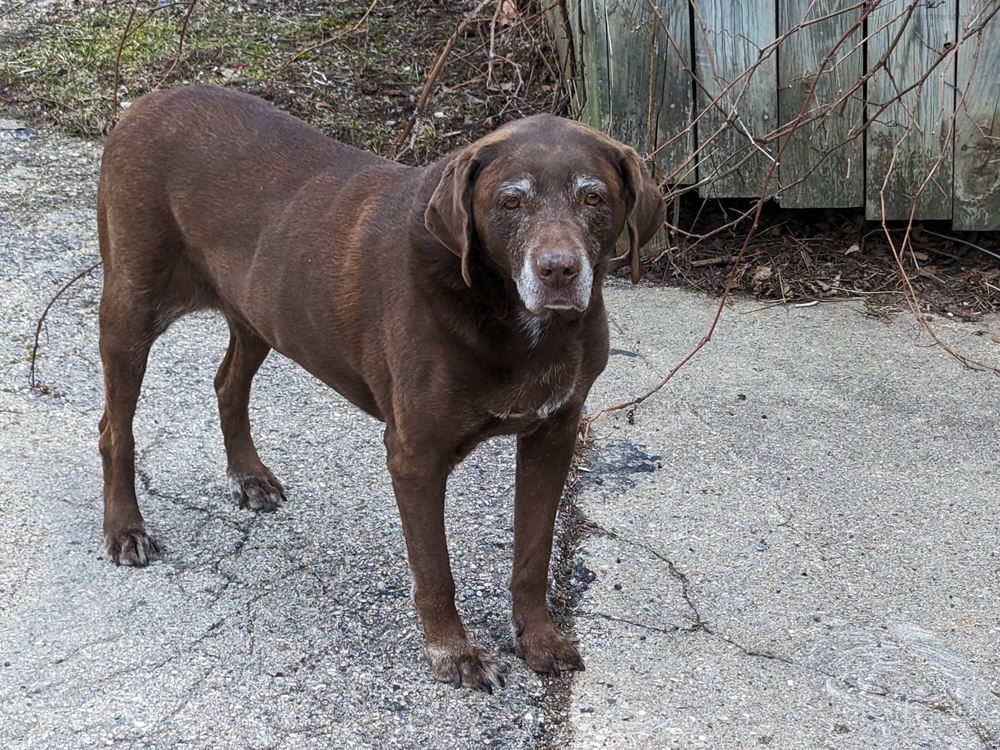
x: 802, y: 256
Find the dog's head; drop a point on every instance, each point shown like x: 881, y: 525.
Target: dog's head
x: 545, y: 198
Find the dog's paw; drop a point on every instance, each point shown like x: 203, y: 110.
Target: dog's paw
x: 547, y: 650
x: 131, y: 546
x: 260, y: 492
x: 467, y: 665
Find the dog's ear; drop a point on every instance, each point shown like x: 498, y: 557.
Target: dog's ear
x: 449, y: 212
x: 644, y: 206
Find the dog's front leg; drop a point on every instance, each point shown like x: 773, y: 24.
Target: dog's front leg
x: 543, y: 461
x: 418, y: 479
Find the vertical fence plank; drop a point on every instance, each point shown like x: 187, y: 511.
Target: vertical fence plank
x: 636, y: 86
x: 632, y: 32
x: 910, y: 137
x: 595, y: 69
x: 563, y: 20
x: 651, y: 98
x: 823, y: 164
x: 740, y: 94
x: 977, y: 120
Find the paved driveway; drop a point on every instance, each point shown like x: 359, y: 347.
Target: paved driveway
x: 794, y: 545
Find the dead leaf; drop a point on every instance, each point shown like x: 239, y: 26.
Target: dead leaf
x: 763, y: 273
x: 507, y: 15
x: 852, y: 249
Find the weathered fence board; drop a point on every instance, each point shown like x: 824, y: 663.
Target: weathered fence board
x: 642, y: 95
x: 909, y: 162
x: 898, y: 122
x: 564, y: 21
x: 594, y: 49
x: 739, y: 96
x: 647, y: 75
x: 977, y: 119
x: 818, y: 64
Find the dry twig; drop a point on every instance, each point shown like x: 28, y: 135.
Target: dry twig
x: 335, y: 38
x: 118, y: 59
x: 35, y: 385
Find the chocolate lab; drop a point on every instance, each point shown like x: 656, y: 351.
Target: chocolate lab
x: 453, y: 302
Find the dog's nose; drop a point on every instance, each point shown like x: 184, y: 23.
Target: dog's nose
x: 557, y: 268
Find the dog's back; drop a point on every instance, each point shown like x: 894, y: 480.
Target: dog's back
x: 180, y: 155
x: 206, y: 193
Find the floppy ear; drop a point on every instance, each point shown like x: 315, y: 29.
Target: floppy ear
x: 645, y: 209
x: 449, y: 212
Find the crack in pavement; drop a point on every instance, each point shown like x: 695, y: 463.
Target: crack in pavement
x: 956, y: 707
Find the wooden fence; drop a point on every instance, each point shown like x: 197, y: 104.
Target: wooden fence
x: 893, y: 105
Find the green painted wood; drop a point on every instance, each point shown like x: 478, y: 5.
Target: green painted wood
x: 912, y: 136
x: 977, y: 119
x: 594, y: 69
x: 728, y: 41
x: 563, y: 19
x: 822, y: 165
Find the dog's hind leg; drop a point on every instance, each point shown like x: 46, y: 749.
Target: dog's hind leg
x: 128, y: 329
x: 250, y: 482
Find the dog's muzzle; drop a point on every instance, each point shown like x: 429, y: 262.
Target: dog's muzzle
x: 555, y: 279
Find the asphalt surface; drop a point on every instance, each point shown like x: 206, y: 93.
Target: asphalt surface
x: 796, y: 542
x: 793, y: 545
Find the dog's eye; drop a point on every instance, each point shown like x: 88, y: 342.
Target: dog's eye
x: 592, y: 199
x: 512, y: 203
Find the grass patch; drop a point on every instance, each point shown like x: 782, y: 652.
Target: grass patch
x: 68, y: 66
x: 353, y: 69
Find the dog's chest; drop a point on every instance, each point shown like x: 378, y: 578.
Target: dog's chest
x: 536, y: 393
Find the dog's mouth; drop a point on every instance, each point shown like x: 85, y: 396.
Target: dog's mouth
x: 559, y: 304
x: 564, y: 307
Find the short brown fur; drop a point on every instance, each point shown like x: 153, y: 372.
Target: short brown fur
x: 406, y: 290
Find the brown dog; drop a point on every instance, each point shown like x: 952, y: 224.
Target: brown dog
x: 453, y: 302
